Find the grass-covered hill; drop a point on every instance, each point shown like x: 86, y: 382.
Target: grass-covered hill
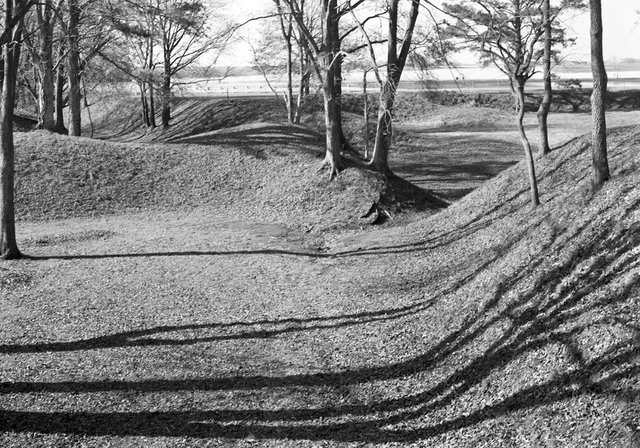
x: 264, y: 171
x: 485, y: 324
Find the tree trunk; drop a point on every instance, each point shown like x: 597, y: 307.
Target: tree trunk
x: 332, y: 159
x: 395, y: 66
x: 517, y: 88
x: 73, y: 64
x: 337, y: 62
x: 366, y: 115
x: 152, y: 105
x: 150, y: 77
x: 545, y: 105
x: 303, y: 88
x: 11, y: 52
x: 144, y: 104
x: 45, y: 66
x: 287, y: 33
x: 59, y: 95
x: 166, y: 99
x: 384, y: 130
x: 290, y: 103
x: 599, y: 130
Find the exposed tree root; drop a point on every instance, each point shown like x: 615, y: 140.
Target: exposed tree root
x: 332, y: 168
x: 380, y: 213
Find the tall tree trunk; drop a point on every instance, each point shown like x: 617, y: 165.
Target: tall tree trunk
x: 166, y: 98
x: 365, y: 98
x: 337, y: 62
x: 545, y: 105
x: 599, y: 130
x: 59, y: 95
x: 517, y: 89
x: 151, y: 105
x: 11, y: 53
x: 384, y: 130
x: 45, y: 65
x: 73, y: 67
x: 287, y: 33
x: 332, y: 159
x: 303, y: 88
x: 289, y: 99
x: 395, y: 66
x: 144, y: 104
x: 150, y: 83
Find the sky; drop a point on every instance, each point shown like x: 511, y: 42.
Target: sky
x: 621, y: 31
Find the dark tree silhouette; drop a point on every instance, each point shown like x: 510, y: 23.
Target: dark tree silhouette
x: 14, y: 12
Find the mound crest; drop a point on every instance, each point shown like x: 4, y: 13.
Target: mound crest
x: 271, y: 177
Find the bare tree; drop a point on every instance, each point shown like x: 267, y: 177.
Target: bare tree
x: 42, y: 54
x: 182, y: 26
x: 599, y: 123
x: 324, y: 53
x: 286, y: 30
x: 506, y: 33
x: 281, y: 52
x: 176, y: 31
x: 397, y: 55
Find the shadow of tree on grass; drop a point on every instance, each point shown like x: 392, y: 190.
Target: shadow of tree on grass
x: 561, y: 302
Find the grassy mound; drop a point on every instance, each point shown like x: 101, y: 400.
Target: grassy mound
x: 122, y: 119
x: 540, y: 308
x: 261, y: 171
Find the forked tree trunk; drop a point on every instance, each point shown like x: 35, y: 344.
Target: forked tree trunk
x: 11, y: 53
x: 517, y: 89
x: 395, y: 66
x: 599, y: 126
x: 324, y: 54
x: 545, y: 105
x: 384, y: 130
x: 73, y: 67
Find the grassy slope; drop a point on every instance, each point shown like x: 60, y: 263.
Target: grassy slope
x: 273, y: 181
x: 487, y: 324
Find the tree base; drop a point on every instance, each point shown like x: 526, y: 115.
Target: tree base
x: 331, y: 166
x: 544, y: 151
x: 382, y: 169
x: 11, y: 255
